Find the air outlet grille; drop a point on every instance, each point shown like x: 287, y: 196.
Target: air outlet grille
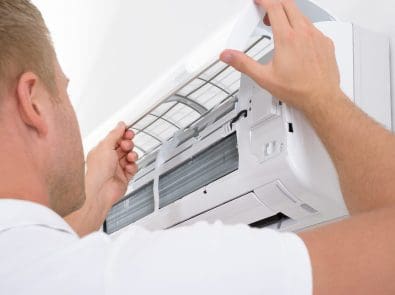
x: 133, y: 207
x: 209, y: 165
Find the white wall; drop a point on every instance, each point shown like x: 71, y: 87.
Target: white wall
x: 78, y: 29
x: 113, y: 49
x: 378, y: 16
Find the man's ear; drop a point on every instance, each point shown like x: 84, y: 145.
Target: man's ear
x: 31, y: 94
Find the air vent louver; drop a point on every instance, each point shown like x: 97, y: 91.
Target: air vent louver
x: 133, y: 207
x: 203, y: 168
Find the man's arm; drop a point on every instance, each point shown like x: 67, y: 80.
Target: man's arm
x: 362, y: 150
x: 110, y: 166
x: 304, y: 75
x: 353, y: 256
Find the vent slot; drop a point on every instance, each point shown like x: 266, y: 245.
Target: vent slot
x: 290, y: 128
x: 276, y: 219
x: 133, y: 207
x: 218, y: 160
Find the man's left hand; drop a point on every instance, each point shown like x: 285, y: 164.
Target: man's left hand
x: 110, y: 167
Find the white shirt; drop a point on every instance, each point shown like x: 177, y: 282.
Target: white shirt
x: 41, y: 254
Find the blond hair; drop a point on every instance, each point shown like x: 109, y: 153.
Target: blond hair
x: 25, y: 44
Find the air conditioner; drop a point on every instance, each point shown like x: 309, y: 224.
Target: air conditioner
x: 215, y: 146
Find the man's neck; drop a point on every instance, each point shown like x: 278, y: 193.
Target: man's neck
x: 19, y: 178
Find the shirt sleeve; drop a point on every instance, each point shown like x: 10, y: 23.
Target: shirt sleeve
x: 208, y: 259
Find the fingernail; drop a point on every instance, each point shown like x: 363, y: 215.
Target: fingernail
x: 227, y: 57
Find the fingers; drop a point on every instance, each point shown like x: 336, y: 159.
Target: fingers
x: 277, y: 17
x: 247, y: 65
x: 129, y: 134
x: 112, y: 139
x: 284, y: 13
x: 127, y: 137
x: 124, y: 146
x: 128, y: 164
x: 125, y: 141
x: 120, y: 140
x: 295, y: 16
x: 130, y: 170
x: 130, y: 158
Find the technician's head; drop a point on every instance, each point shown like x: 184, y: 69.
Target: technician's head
x: 38, y: 126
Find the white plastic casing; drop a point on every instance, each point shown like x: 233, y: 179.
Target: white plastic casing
x: 281, y: 170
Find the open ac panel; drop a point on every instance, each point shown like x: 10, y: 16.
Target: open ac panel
x: 219, y: 147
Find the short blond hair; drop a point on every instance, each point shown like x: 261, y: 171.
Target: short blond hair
x: 25, y: 44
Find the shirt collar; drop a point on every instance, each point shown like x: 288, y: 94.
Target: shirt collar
x: 19, y: 213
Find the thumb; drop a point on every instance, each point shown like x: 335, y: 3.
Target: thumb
x: 247, y: 65
x: 115, y: 135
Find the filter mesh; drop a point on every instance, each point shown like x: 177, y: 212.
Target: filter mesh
x: 215, y: 85
x: 209, y: 165
x: 133, y: 207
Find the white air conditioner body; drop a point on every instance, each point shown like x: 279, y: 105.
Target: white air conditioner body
x: 247, y: 158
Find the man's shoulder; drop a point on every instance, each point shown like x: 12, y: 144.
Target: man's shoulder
x: 42, y: 260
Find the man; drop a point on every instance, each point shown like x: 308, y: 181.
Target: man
x: 43, y: 184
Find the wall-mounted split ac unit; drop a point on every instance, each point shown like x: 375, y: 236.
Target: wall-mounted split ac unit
x: 215, y: 146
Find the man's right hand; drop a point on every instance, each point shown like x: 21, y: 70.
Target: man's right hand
x: 303, y: 70
x: 354, y: 256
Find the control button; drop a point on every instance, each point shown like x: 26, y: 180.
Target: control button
x: 270, y: 148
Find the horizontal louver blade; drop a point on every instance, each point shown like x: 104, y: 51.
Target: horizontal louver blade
x: 133, y: 207
x: 209, y: 165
